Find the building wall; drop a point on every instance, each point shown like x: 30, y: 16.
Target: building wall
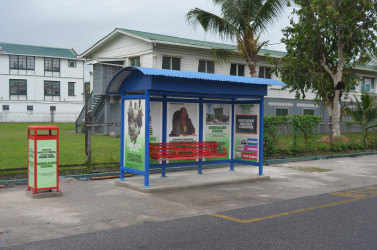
x: 67, y: 107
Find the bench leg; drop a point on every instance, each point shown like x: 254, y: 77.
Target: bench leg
x: 200, y: 167
x: 163, y: 172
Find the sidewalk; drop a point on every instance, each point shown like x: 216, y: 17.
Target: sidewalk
x: 88, y: 206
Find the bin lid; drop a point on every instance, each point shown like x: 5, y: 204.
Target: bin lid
x: 42, y: 127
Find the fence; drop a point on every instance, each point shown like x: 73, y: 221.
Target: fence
x: 73, y: 156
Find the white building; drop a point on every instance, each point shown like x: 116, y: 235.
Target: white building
x: 124, y: 47
x: 40, y: 84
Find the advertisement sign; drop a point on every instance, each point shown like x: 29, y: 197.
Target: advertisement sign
x: 246, y: 132
x: 31, y: 163
x: 155, y: 126
x: 183, y: 122
x: 46, y: 163
x: 134, y: 134
x: 217, y: 125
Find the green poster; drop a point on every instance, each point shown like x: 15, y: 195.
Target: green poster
x: 134, y: 134
x: 217, y: 126
x: 46, y: 164
x: 31, y: 163
x: 246, y: 132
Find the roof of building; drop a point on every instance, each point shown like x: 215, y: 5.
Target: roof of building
x: 173, y: 39
x: 23, y: 49
x: 122, y: 75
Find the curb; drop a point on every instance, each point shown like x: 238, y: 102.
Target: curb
x: 319, y: 157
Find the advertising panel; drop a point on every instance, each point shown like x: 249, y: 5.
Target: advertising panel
x: 134, y: 134
x: 155, y: 126
x: 217, y: 125
x: 246, y: 132
x: 46, y: 163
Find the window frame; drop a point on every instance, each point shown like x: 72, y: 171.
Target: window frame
x: 72, y: 61
x: 54, y: 61
x: 133, y: 61
x: 303, y: 111
x: 52, y: 88
x: 206, y: 62
x: 371, y: 84
x: 264, y: 72
x: 5, y: 108
x: 276, y: 109
x: 72, y: 89
x: 18, y: 82
x: 13, y: 58
x: 237, y: 67
x: 171, y: 60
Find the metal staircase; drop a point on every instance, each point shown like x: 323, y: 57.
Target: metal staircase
x: 96, y: 103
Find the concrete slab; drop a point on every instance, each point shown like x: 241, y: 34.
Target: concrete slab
x: 42, y: 194
x: 189, y: 179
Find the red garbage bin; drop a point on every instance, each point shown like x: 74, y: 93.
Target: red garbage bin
x: 43, y: 160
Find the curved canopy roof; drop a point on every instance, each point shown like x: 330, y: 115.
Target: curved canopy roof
x: 121, y: 76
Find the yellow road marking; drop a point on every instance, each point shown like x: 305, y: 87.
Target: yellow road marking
x: 356, y: 195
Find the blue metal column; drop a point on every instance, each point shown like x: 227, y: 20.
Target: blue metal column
x: 232, y: 138
x: 146, y: 147
x: 164, y: 128
x: 200, y: 166
x: 261, y: 131
x: 122, y: 163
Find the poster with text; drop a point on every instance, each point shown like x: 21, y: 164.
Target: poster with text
x: 155, y: 126
x: 217, y: 126
x: 183, y: 123
x: 134, y: 134
x: 46, y: 164
x: 246, y: 132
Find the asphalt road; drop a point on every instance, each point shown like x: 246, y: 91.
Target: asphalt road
x: 340, y: 220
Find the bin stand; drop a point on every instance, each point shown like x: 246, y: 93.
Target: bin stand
x: 43, y: 158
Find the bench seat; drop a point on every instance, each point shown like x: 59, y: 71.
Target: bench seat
x: 186, y: 150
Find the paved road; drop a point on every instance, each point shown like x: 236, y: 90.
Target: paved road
x: 338, y: 220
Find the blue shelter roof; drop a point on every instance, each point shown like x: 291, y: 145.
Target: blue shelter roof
x: 115, y: 84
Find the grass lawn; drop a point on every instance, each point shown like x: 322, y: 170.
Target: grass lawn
x: 13, y: 146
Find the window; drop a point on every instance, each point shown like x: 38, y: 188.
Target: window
x: 171, y: 63
x: 367, y: 85
x: 71, y: 88
x: 17, y: 87
x: 52, y: 108
x: 71, y: 63
x: 264, y: 72
x: 29, y: 108
x: 206, y: 66
x: 281, y: 112
x: 52, y: 64
x: 5, y: 107
x: 135, y: 61
x: 237, y: 69
x: 308, y: 111
x: 22, y: 62
x: 52, y: 88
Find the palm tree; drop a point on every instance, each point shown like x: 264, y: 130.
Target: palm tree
x: 242, y: 21
x: 364, y: 114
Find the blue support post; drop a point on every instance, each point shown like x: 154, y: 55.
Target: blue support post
x: 164, y: 129
x: 200, y: 166
x: 147, y: 113
x: 261, y: 131
x: 122, y: 135
x: 232, y: 138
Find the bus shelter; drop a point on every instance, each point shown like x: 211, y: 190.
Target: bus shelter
x: 187, y: 113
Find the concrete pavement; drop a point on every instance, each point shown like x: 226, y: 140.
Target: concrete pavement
x: 89, y: 206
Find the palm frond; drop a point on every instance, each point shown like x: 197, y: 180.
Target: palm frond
x: 268, y: 13
x: 211, y: 22
x: 223, y: 55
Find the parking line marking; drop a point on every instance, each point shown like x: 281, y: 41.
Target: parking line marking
x: 361, y: 194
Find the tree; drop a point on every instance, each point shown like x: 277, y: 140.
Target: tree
x: 364, y: 114
x: 242, y: 21
x: 329, y: 38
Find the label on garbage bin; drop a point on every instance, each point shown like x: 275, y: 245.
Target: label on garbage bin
x: 31, y: 163
x: 46, y: 164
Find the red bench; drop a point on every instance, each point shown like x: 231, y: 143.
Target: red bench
x: 185, y: 150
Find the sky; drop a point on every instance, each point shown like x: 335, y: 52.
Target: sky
x: 79, y: 24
